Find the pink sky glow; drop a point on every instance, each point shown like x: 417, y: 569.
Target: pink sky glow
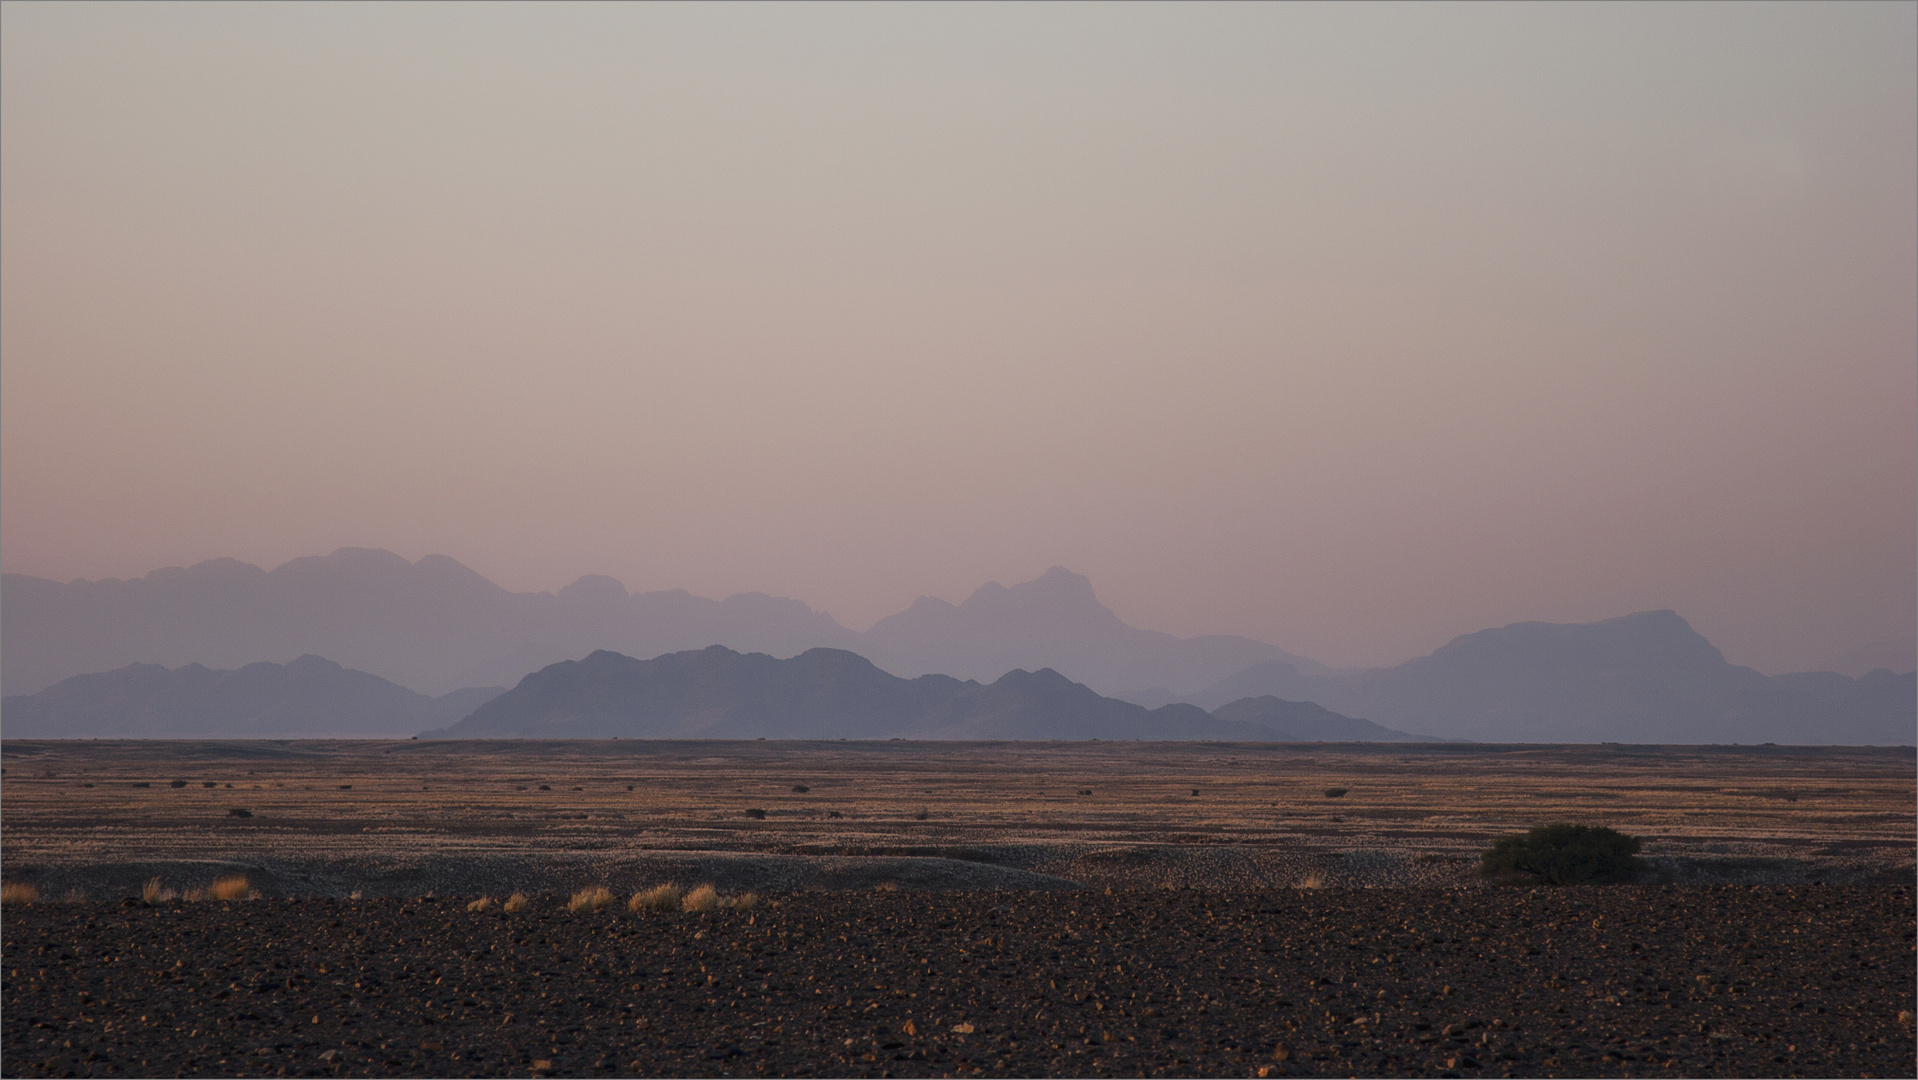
x: 1348, y: 328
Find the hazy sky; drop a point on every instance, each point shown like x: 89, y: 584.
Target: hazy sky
x: 1350, y: 328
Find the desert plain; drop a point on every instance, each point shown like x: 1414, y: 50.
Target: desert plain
x: 1076, y: 908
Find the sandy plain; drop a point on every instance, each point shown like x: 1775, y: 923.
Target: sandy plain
x: 412, y: 818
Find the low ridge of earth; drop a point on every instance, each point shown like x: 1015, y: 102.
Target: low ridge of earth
x: 1586, y: 981
x: 406, y: 818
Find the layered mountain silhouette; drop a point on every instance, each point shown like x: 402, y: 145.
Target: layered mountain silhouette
x: 1056, y: 621
x: 435, y: 625
x: 716, y: 693
x: 1645, y: 678
x: 308, y: 698
x: 432, y: 625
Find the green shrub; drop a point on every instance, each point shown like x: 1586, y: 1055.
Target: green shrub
x: 1564, y: 855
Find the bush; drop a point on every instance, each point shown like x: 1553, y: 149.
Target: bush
x: 702, y: 898
x: 1335, y: 792
x: 658, y: 898
x: 1564, y: 855
x: 482, y: 904
x: 239, y: 811
x: 178, y: 784
x: 18, y: 892
x: 591, y: 898
x: 756, y: 814
x: 516, y: 903
x: 234, y: 887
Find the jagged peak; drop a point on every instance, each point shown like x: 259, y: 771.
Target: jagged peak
x: 1057, y: 589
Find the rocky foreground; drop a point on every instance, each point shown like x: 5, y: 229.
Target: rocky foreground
x: 1661, y: 981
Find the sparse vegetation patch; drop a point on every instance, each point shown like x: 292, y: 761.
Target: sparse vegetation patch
x: 232, y: 887
x: 591, y: 898
x: 658, y: 898
x: 1564, y: 854
x: 18, y: 892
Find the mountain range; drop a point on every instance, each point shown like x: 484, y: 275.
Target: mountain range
x: 707, y: 693
x: 308, y: 698
x: 716, y: 693
x: 1644, y: 678
x: 435, y: 626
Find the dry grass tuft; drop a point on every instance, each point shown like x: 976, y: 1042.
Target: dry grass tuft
x: 590, y: 899
x: 18, y: 892
x: 481, y: 904
x: 234, y: 887
x: 658, y: 898
x: 155, y: 893
x: 702, y: 898
x: 1313, y: 881
x: 516, y: 903
x: 743, y: 902
x: 886, y: 886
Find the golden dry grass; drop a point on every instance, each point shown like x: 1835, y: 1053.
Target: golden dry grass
x: 18, y: 892
x: 591, y: 898
x: 231, y: 887
x: 745, y: 901
x: 702, y: 898
x: 481, y: 904
x: 153, y: 892
x: 516, y: 903
x: 658, y: 898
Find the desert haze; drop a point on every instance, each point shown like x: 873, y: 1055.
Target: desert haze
x: 437, y: 626
x: 982, y: 540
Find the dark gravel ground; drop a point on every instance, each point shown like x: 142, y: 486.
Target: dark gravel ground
x: 1663, y: 981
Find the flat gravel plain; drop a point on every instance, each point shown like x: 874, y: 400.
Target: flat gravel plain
x: 1622, y: 981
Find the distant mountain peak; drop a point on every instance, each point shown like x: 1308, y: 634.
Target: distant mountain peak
x: 1662, y: 636
x: 595, y: 587
x: 1057, y: 591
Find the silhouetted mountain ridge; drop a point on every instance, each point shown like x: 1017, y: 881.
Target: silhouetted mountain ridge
x: 310, y: 697
x: 826, y: 694
x: 1645, y: 678
x: 435, y: 625
x: 1055, y: 621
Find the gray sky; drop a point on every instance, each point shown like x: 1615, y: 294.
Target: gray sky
x: 1349, y: 328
